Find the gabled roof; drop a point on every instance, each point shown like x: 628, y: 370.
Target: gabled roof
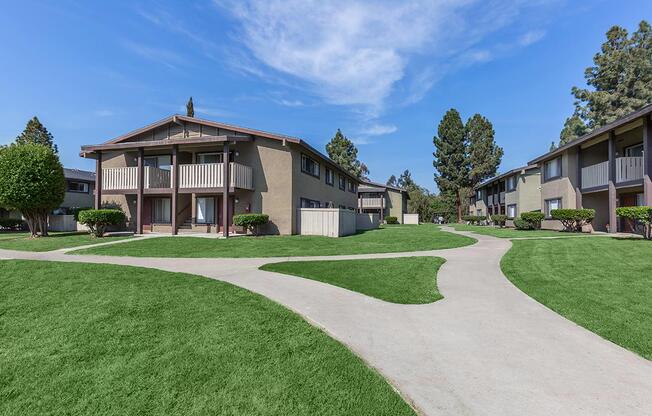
x: 80, y: 175
x: 119, y: 141
x: 369, y: 186
x: 506, y: 174
x: 646, y: 110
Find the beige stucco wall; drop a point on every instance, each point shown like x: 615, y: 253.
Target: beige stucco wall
x: 563, y: 187
x: 396, y: 204
x: 79, y: 199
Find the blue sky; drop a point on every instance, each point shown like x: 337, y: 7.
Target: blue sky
x: 384, y: 74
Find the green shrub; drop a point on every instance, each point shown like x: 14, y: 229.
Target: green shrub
x: 12, y: 224
x: 97, y: 220
x: 391, y: 219
x: 521, y: 224
x: 499, y: 220
x: 533, y: 218
x: 573, y: 219
x: 251, y: 222
x: 75, y: 211
x: 473, y: 219
x: 639, y: 218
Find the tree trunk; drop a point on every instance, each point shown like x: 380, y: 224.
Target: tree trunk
x: 458, y: 206
x: 31, y: 224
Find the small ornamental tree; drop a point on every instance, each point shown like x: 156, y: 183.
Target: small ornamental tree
x: 32, y: 182
x: 251, y: 222
x: 573, y: 219
x: 532, y: 218
x: 97, y: 220
x: 499, y: 220
x: 639, y: 218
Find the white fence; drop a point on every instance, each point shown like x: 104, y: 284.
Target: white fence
x: 411, y: 219
x: 329, y: 222
x: 62, y: 223
x: 367, y: 221
x: 371, y: 202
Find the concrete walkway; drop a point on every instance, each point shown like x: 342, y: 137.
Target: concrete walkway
x: 485, y: 349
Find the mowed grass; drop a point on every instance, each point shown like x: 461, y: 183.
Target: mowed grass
x: 602, y: 284
x: 82, y: 339
x: 55, y: 241
x: 512, y: 232
x: 407, y: 280
x: 401, y: 238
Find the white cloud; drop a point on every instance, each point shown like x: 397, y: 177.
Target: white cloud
x: 355, y: 52
x: 379, y: 130
x: 291, y: 103
x: 531, y: 37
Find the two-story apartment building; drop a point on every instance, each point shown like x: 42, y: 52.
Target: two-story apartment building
x: 80, y: 186
x: 184, y: 173
x: 508, y: 194
x: 604, y: 169
x: 384, y: 200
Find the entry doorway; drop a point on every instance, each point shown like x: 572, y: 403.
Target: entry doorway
x: 629, y: 200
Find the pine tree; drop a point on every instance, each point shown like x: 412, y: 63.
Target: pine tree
x: 343, y: 152
x: 406, y: 182
x: 391, y: 181
x: 450, y: 158
x: 484, y: 154
x: 553, y: 146
x: 190, y: 108
x: 574, y: 127
x: 36, y: 133
x: 620, y: 81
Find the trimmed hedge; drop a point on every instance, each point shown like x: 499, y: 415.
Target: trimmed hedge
x: 12, y: 224
x: 97, y: 220
x: 75, y: 211
x: 573, y: 219
x: 473, y: 219
x: 521, y: 224
x: 639, y: 218
x: 499, y: 220
x: 391, y: 219
x: 533, y: 218
x: 251, y: 222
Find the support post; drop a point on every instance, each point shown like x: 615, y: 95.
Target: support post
x: 175, y: 187
x: 98, y: 181
x: 382, y: 208
x: 139, y: 191
x: 360, y: 203
x: 613, y: 220
x: 578, y: 181
x: 225, y: 192
x: 647, y: 161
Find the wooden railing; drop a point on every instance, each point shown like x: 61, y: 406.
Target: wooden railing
x: 370, y: 202
x: 629, y: 169
x: 157, y: 178
x: 120, y: 178
x: 211, y: 175
x: 595, y: 175
x: 241, y: 176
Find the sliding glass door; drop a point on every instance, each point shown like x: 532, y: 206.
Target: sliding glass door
x: 205, y: 210
x: 161, y: 211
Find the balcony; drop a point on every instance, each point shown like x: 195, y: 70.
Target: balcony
x: 371, y: 202
x: 627, y: 169
x: 191, y: 176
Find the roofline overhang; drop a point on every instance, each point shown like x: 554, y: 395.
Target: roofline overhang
x: 150, y: 144
x: 520, y: 170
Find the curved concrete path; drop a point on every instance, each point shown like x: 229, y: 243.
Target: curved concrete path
x: 485, y: 349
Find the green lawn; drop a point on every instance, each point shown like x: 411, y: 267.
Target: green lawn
x: 82, y: 339
x: 603, y: 284
x: 55, y: 241
x: 511, y: 232
x: 409, y: 280
x: 389, y: 239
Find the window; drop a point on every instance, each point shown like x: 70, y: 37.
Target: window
x: 552, y: 169
x: 640, y: 200
x: 309, y: 203
x: 478, y: 195
x: 161, y: 211
x: 161, y: 161
x: 309, y: 166
x: 351, y: 186
x: 511, y: 211
x: 552, y: 204
x: 479, y: 213
x: 634, y: 151
x: 330, y: 177
x: 205, y: 210
x: 212, y: 157
x: 80, y: 187
x: 510, y: 184
x: 342, y: 182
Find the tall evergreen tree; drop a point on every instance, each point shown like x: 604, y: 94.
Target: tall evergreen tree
x: 36, y: 133
x: 190, y: 108
x: 450, y: 158
x: 620, y: 81
x: 343, y: 152
x: 405, y: 181
x: 574, y: 127
x: 391, y: 181
x: 484, y: 154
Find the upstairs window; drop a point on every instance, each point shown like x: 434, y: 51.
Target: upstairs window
x: 552, y: 169
x: 478, y: 195
x: 309, y: 166
x: 342, y: 182
x: 309, y: 203
x: 79, y: 187
x: 330, y: 177
x: 510, y: 184
x: 351, y: 186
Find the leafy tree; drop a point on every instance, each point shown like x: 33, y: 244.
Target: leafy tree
x: 451, y: 160
x: 391, y: 181
x: 620, y: 81
x: 484, y: 154
x: 342, y: 150
x: 574, y: 127
x: 190, y: 108
x: 36, y: 133
x: 405, y: 181
x: 31, y: 181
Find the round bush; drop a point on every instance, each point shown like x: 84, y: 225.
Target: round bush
x: 391, y: 219
x: 521, y: 224
x: 573, y: 219
x: 534, y: 218
x: 97, y: 220
x: 499, y: 219
x: 251, y: 221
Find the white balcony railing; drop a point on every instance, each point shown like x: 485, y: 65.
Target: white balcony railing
x: 211, y: 175
x: 595, y: 175
x: 629, y: 169
x: 120, y: 178
x: 371, y: 202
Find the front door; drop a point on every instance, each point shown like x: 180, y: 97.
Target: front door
x: 627, y: 200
